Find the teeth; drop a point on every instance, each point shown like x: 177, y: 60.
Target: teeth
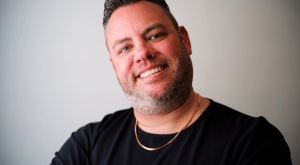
x: 151, y: 71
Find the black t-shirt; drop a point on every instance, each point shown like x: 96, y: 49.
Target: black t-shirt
x: 220, y: 136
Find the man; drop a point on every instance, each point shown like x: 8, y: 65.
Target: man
x: 169, y: 123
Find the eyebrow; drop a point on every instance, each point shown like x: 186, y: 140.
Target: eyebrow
x: 147, y: 30
x: 117, y: 42
x: 155, y: 26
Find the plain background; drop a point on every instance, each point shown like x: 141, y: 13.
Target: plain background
x: 56, y: 77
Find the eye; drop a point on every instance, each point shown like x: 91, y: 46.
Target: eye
x: 124, y: 49
x: 157, y: 37
x: 154, y: 37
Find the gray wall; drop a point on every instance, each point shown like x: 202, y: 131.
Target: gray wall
x: 56, y: 77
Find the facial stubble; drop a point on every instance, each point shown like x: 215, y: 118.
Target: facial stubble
x: 174, y: 94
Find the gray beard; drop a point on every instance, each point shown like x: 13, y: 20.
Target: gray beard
x: 174, y: 94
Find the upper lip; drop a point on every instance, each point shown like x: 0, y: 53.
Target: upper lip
x: 148, y: 68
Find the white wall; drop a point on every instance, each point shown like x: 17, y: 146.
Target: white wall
x: 55, y: 75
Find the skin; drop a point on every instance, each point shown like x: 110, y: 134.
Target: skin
x: 140, y: 37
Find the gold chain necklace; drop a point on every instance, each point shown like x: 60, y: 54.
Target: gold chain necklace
x: 153, y: 149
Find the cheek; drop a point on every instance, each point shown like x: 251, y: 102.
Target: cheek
x: 169, y: 47
x: 123, y: 67
x: 171, y: 50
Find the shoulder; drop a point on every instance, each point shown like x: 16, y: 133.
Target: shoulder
x: 234, y: 125
x: 225, y: 116
x: 78, y: 148
x: 258, y: 138
x: 115, y: 118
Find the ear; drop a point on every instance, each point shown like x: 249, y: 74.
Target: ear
x: 112, y: 62
x: 184, y: 36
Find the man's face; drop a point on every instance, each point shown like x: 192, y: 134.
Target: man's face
x: 147, y: 53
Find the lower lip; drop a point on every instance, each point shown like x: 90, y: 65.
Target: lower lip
x: 153, y: 75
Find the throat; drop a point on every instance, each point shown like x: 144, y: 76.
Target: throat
x: 171, y: 122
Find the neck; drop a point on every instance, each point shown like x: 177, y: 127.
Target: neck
x: 175, y: 120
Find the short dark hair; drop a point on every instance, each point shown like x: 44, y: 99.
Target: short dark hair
x: 111, y: 5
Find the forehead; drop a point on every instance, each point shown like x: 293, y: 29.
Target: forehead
x: 134, y: 18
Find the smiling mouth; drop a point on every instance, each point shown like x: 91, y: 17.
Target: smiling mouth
x: 152, y: 71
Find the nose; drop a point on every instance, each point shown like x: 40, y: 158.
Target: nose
x: 143, y: 52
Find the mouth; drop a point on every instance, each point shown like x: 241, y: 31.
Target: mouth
x: 152, y: 71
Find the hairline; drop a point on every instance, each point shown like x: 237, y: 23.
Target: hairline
x: 167, y: 12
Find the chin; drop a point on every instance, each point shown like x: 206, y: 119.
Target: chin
x: 155, y: 92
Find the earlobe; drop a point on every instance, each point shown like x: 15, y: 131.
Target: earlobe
x: 112, y: 62
x: 184, y: 36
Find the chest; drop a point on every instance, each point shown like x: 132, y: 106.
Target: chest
x: 189, y: 148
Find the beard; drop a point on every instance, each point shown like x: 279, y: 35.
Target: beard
x: 174, y: 94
